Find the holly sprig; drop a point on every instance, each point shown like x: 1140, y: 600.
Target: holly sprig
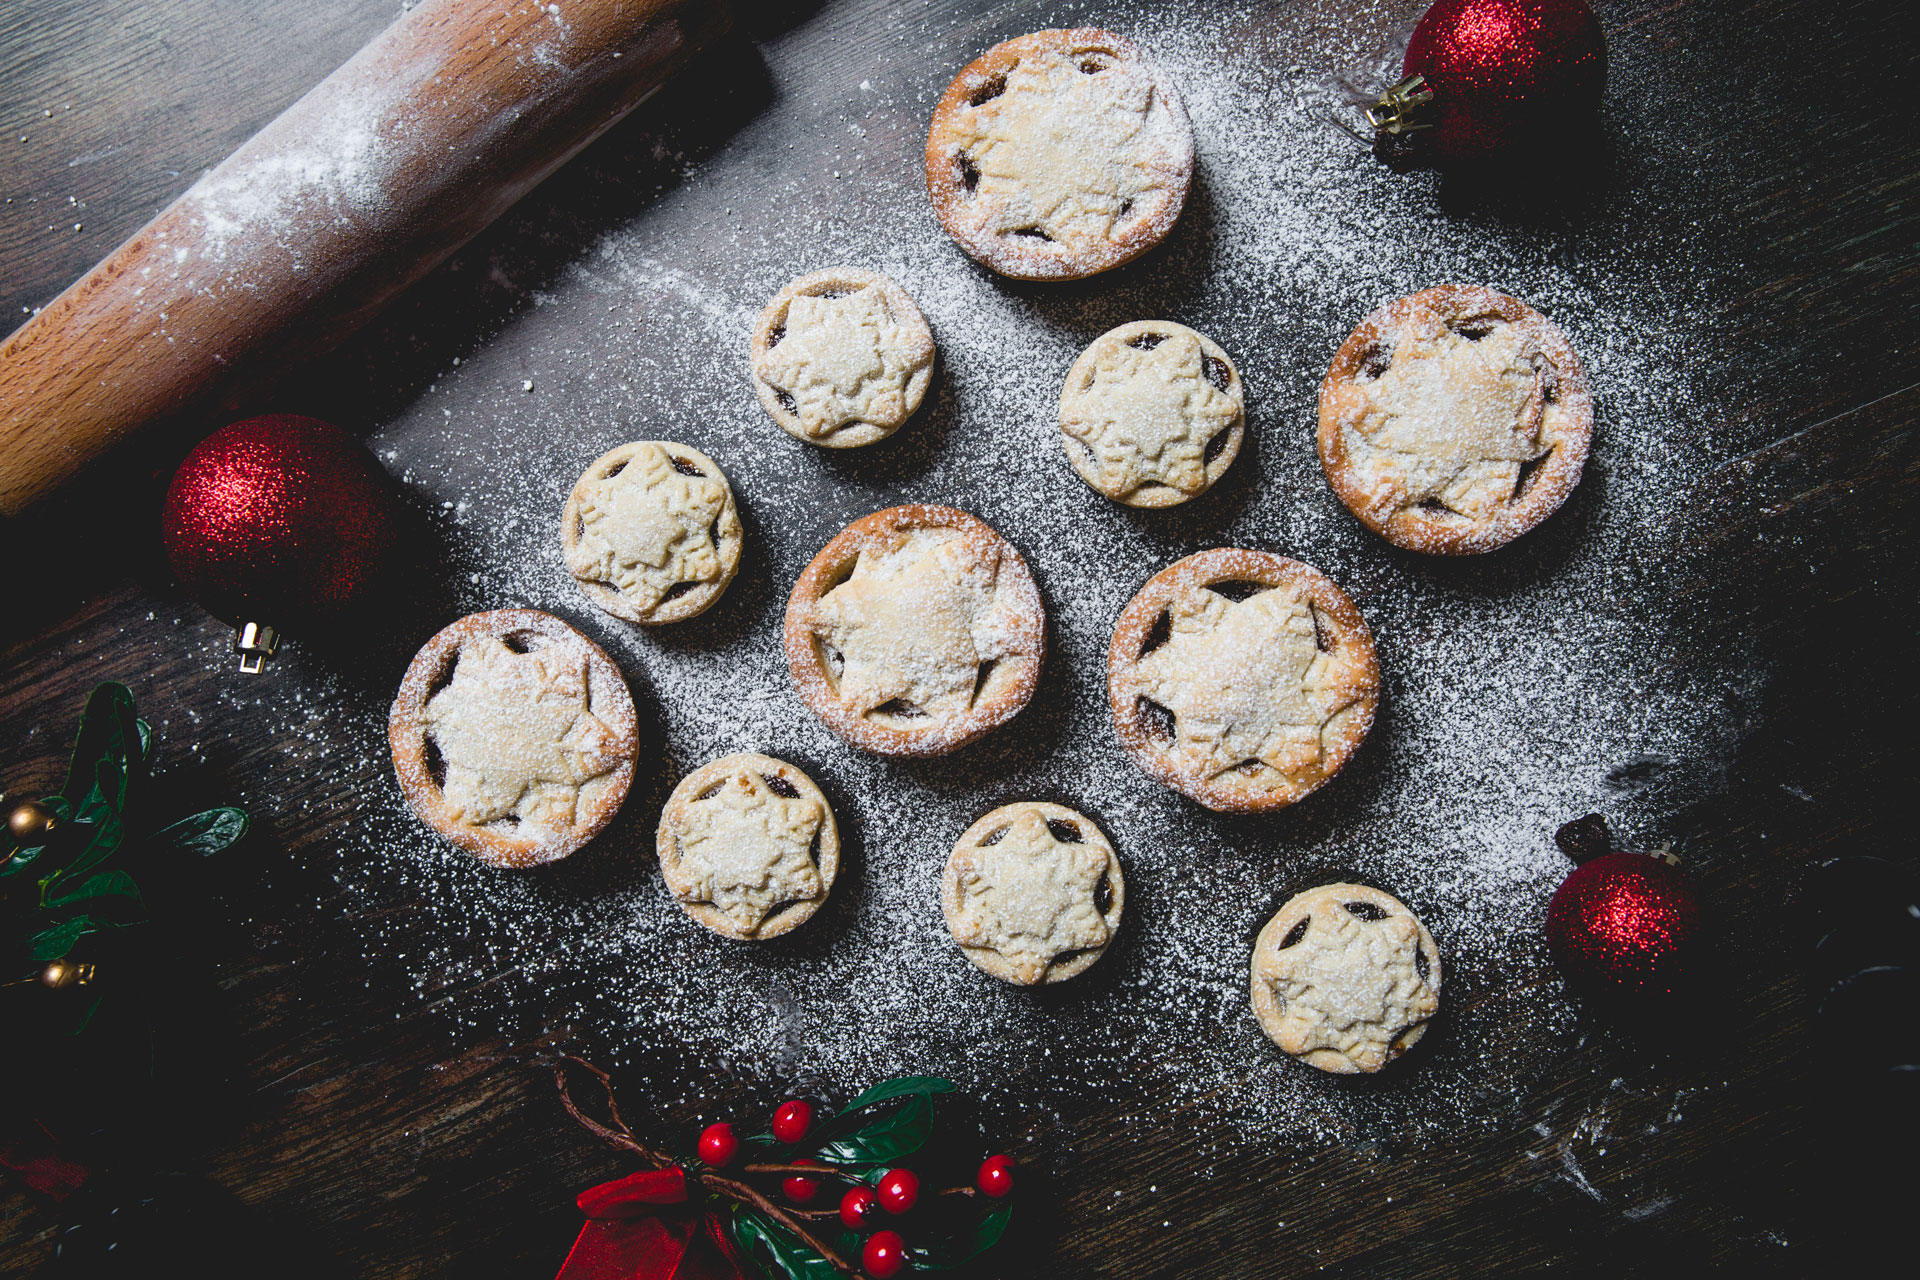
x: 58, y: 886
x: 860, y: 1145
x: 878, y: 1130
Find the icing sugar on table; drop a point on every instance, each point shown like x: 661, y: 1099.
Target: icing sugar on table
x: 1514, y: 684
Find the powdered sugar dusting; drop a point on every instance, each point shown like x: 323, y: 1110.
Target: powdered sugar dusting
x: 1514, y: 683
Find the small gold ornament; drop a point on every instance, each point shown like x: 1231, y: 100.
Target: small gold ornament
x: 65, y: 973
x: 30, y: 823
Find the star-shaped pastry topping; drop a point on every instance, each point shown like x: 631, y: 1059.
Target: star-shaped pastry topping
x: 914, y: 624
x: 1031, y: 897
x: 747, y: 850
x: 846, y: 359
x: 1456, y: 417
x: 1245, y: 681
x: 1353, y: 986
x: 516, y: 735
x: 648, y: 528
x: 1149, y: 415
x: 1060, y: 151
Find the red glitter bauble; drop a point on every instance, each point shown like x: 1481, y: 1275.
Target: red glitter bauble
x: 1505, y: 72
x: 279, y: 520
x: 1624, y: 923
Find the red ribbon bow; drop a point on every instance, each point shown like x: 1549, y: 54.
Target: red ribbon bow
x: 30, y: 1152
x: 627, y: 1237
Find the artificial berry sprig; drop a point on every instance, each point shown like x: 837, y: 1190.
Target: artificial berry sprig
x: 861, y: 1148
x: 723, y: 1144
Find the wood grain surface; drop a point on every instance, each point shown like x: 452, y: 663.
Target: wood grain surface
x: 290, y: 244
x: 346, y: 1127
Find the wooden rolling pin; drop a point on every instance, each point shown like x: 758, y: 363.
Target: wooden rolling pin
x: 365, y: 184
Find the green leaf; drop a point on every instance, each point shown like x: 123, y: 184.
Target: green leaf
x: 108, y: 834
x: 86, y: 1017
x: 852, y: 1138
x: 20, y: 861
x: 888, y: 1090
x: 144, y: 732
x: 777, y: 1251
x: 108, y: 884
x: 884, y: 1139
x: 948, y: 1255
x: 204, y: 833
x: 51, y: 944
x: 109, y: 736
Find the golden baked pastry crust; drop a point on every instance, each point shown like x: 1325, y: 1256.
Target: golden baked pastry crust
x: 748, y: 846
x: 1033, y: 893
x: 915, y: 630
x: 1152, y: 413
x: 1242, y: 679
x: 514, y: 736
x: 651, y: 532
x: 842, y: 358
x: 1345, y: 978
x: 1059, y: 154
x: 1455, y: 419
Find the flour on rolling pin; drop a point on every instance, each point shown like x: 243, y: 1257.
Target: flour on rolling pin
x: 391, y: 163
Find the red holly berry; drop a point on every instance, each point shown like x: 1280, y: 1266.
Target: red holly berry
x: 858, y: 1208
x: 791, y: 1121
x: 885, y: 1254
x: 801, y: 1188
x: 718, y: 1146
x: 899, y: 1190
x: 995, y: 1178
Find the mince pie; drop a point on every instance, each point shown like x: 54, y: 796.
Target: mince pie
x: 1454, y: 420
x: 1033, y: 893
x: 514, y: 736
x: 1059, y: 154
x: 1345, y: 978
x: 914, y: 631
x: 842, y: 358
x: 1152, y: 413
x: 1242, y: 679
x: 651, y: 532
x: 748, y: 846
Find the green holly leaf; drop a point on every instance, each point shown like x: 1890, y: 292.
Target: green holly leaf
x: 885, y: 1139
x: 108, y: 884
x: 888, y: 1090
x: 947, y: 1255
x: 778, y: 1253
x: 204, y: 833
x: 857, y: 1139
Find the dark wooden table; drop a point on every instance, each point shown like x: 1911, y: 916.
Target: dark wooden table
x: 357, y: 1127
